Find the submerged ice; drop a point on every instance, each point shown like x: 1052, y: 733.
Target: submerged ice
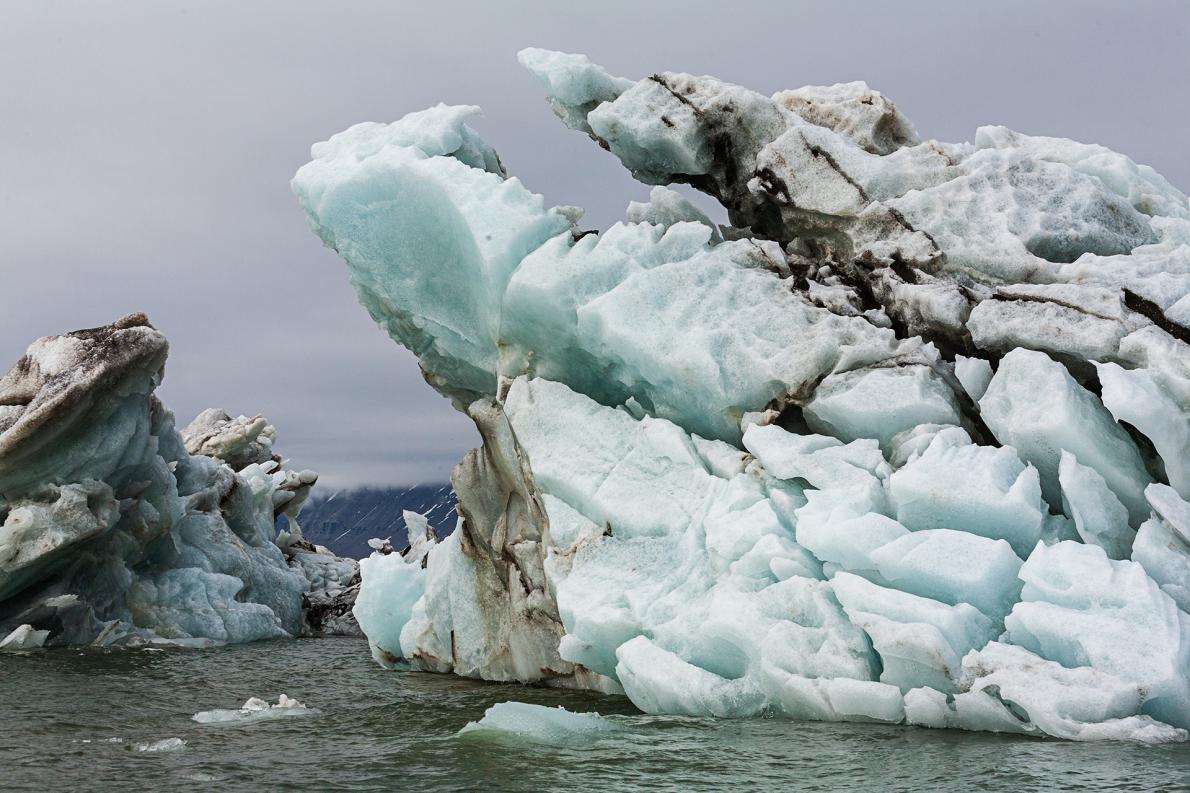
x: 539, y: 724
x: 906, y: 441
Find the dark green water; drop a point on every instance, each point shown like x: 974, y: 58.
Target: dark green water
x: 381, y: 730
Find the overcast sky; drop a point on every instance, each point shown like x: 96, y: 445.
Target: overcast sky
x: 146, y: 151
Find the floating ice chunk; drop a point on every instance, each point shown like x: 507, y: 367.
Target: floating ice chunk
x: 973, y: 374
x: 1098, y: 515
x: 1134, y: 396
x: 921, y: 642
x: 164, y: 745
x: 254, y: 710
x: 908, y: 445
x: 556, y: 726
x: 1145, y: 189
x: 24, y: 637
x: 1035, y: 406
x: 954, y: 567
x: 1079, y: 608
x: 848, y: 541
x: 977, y: 489
x: 1162, y: 544
x: 880, y: 402
x: 1043, y: 696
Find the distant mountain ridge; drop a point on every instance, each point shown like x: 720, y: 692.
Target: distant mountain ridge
x: 345, y: 520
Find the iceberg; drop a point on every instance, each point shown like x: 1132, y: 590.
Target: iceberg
x: 904, y: 441
x: 116, y: 528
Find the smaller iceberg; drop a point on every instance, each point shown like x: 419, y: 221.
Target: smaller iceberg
x: 557, y: 726
x: 255, y: 709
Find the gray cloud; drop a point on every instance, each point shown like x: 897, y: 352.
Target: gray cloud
x: 146, y: 150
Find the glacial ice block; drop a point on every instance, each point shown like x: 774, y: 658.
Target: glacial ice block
x: 24, y: 637
x: 1081, y: 609
x: 977, y: 489
x: 881, y: 402
x: 1162, y: 544
x: 792, y: 465
x: 1161, y: 413
x: 1098, y: 515
x: 405, y: 178
x: 920, y: 641
x: 1034, y: 405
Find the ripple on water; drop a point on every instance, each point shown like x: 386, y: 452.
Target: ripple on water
x: 378, y: 730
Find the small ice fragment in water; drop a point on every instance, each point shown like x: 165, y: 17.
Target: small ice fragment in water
x: 24, y: 638
x: 164, y: 745
x: 539, y: 723
x: 255, y: 709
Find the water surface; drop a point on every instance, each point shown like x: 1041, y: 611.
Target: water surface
x: 69, y: 720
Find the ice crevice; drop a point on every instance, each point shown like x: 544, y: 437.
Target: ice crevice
x: 906, y: 441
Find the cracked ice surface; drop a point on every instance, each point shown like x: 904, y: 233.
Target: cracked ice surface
x: 904, y: 442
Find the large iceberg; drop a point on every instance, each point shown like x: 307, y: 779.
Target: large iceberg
x: 906, y: 441
x: 117, y: 529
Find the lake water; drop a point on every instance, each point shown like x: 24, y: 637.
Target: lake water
x: 71, y: 720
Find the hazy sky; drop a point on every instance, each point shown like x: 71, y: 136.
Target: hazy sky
x: 146, y: 151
